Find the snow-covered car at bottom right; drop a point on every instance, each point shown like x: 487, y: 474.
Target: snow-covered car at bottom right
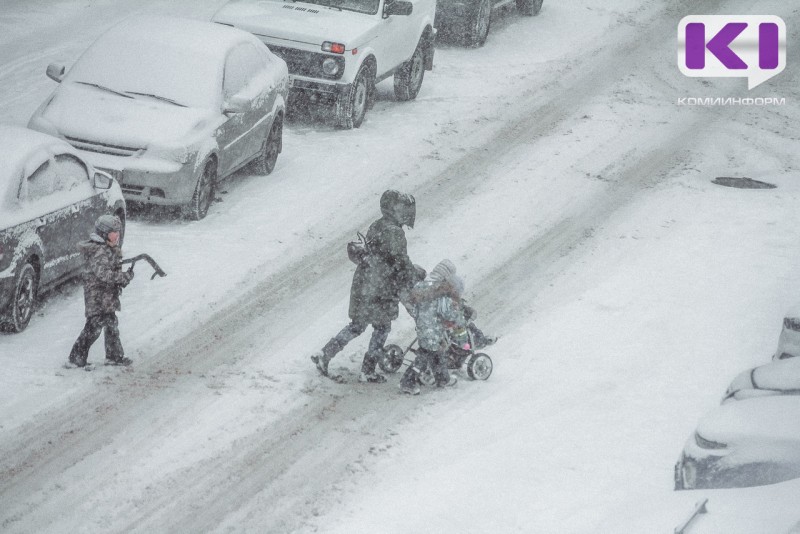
x: 751, y: 442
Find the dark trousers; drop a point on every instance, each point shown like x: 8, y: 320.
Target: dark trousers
x: 380, y: 332
x: 91, y: 331
x: 425, y: 359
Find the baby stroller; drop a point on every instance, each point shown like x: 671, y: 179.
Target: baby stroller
x: 460, y: 351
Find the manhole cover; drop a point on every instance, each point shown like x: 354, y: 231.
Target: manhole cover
x: 742, y: 183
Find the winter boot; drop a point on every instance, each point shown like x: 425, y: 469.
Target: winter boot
x: 74, y: 362
x: 409, y: 389
x: 485, y: 341
x: 450, y: 382
x: 408, y: 384
x: 371, y: 377
x: 368, y: 373
x: 321, y: 362
x: 119, y: 361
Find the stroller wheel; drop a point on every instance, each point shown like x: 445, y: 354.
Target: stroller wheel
x: 426, y: 378
x: 479, y: 366
x: 392, y: 359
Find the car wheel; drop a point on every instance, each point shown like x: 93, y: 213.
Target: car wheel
x: 265, y: 163
x: 25, y: 290
x: 479, y: 366
x: 529, y: 7
x: 478, y: 26
x: 408, y: 79
x: 351, y: 107
x: 203, y: 192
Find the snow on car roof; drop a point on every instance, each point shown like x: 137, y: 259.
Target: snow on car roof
x: 198, y: 36
x: 780, y: 374
x: 22, y: 151
x: 18, y: 147
x: 179, y: 59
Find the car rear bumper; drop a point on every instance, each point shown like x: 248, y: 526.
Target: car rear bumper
x: 150, y: 180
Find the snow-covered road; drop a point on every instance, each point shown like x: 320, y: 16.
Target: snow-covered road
x: 554, y: 167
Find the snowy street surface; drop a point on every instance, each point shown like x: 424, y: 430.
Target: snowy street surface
x: 556, y: 169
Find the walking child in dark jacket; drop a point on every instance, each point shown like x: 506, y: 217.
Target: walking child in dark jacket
x: 103, y: 280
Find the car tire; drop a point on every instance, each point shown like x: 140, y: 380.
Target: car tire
x: 529, y: 8
x: 408, y: 78
x: 265, y: 163
x: 478, y: 25
x: 203, y: 192
x: 352, y: 106
x: 26, y: 289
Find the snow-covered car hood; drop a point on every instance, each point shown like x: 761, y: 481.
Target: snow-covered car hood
x: 763, y: 420
x: 88, y: 113
x: 306, y: 23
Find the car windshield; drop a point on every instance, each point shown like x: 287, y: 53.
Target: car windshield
x: 369, y: 7
x: 157, y: 70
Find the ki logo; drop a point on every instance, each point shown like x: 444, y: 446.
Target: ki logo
x: 727, y: 46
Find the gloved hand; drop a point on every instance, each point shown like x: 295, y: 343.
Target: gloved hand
x: 129, y: 272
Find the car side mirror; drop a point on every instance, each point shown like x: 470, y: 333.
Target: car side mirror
x: 398, y: 7
x: 56, y: 72
x: 236, y: 104
x: 102, y: 180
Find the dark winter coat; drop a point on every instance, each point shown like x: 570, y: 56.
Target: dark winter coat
x: 387, y: 270
x: 102, y: 276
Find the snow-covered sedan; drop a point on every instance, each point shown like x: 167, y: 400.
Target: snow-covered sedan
x: 49, y: 200
x: 752, y: 442
x: 170, y: 106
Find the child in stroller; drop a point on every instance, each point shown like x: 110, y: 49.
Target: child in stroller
x: 446, y: 337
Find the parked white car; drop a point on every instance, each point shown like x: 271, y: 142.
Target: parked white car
x: 170, y: 106
x: 753, y: 438
x: 752, y: 442
x: 49, y: 200
x: 337, y: 50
